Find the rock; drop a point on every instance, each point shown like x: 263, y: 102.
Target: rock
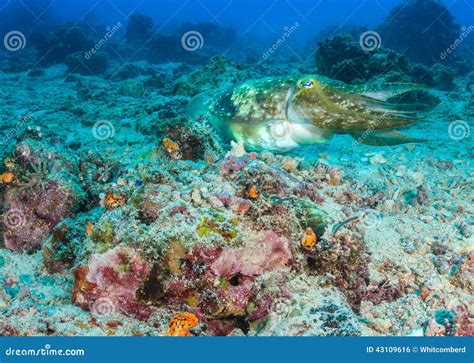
x: 41, y: 199
x: 93, y: 65
x: 196, y: 196
x: 131, y: 88
x: 377, y: 159
x: 109, y: 282
x: 289, y: 164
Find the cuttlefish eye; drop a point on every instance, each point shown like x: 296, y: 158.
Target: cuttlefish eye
x: 308, y: 83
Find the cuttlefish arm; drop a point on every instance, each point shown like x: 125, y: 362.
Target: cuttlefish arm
x: 384, y: 138
x: 391, y: 114
x: 351, y: 112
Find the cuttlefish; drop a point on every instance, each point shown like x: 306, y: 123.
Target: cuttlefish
x: 280, y: 114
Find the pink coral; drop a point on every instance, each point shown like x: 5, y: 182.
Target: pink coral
x: 113, y: 278
x: 253, y: 259
x: 233, y: 300
x: 233, y: 164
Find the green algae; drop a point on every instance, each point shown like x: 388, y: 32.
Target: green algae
x: 311, y: 215
x: 217, y: 224
x: 103, y: 235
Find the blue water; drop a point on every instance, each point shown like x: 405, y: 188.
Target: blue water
x: 257, y: 17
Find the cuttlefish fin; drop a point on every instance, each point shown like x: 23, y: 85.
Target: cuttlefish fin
x: 198, y: 106
x: 384, y: 138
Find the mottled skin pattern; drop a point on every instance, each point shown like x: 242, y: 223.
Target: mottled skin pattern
x: 342, y: 108
x: 283, y: 113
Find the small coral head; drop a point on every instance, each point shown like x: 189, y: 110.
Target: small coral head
x: 172, y: 148
x: 89, y: 228
x: 180, y: 324
x: 252, y: 192
x: 309, y: 240
x: 6, y: 177
x: 113, y: 201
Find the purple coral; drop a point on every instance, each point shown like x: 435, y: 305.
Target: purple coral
x: 33, y: 213
x: 255, y: 258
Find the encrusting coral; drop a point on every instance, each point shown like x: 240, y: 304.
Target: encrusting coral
x: 180, y: 324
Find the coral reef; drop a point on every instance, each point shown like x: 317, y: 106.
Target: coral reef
x: 109, y: 282
x: 120, y: 216
x: 138, y: 28
x: 421, y: 29
x: 79, y: 63
x: 54, y: 47
x: 254, y: 259
x: 43, y: 195
x: 342, y: 58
